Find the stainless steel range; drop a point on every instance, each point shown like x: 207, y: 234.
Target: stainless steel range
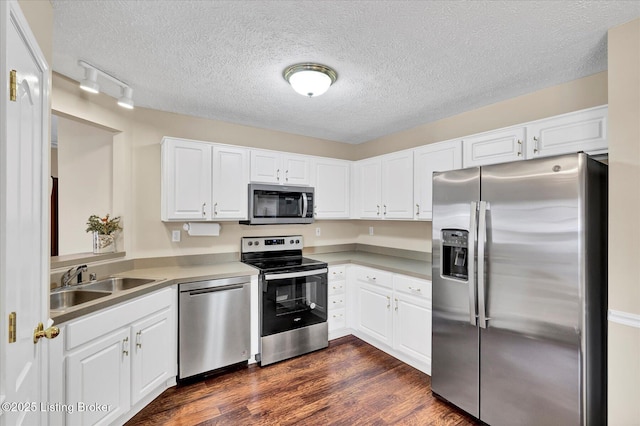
x: 293, y: 297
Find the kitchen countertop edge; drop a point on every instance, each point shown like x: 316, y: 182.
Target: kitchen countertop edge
x: 168, y: 276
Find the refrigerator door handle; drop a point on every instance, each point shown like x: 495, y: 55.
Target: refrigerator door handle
x: 473, y: 310
x: 482, y: 241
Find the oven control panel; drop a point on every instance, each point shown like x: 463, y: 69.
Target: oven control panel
x: 256, y: 244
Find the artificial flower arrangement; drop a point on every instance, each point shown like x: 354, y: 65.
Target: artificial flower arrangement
x: 103, y: 225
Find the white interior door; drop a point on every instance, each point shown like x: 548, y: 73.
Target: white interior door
x: 24, y: 211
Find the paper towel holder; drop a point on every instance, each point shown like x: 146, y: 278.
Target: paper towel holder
x: 202, y: 229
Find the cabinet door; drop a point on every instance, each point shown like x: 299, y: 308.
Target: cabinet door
x: 186, y: 180
x: 331, y: 188
x: 500, y: 146
x: 266, y: 166
x: 296, y: 169
x: 153, y: 360
x: 99, y: 373
x: 579, y: 131
x: 438, y: 157
x: 230, y: 182
x: 412, y: 327
x: 397, y: 185
x: 374, y: 312
x: 369, y: 188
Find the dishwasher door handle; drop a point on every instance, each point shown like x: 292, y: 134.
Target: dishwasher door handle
x: 215, y: 289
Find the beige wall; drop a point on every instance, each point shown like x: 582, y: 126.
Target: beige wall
x: 137, y: 198
x: 39, y: 14
x: 624, y: 215
x: 572, y: 96
x: 85, y: 181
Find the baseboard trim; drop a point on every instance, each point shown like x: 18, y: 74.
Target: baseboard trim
x: 624, y: 318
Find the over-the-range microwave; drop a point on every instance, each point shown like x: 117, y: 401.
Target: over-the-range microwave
x: 279, y: 204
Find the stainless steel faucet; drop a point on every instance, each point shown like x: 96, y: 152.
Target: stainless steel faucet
x: 71, y: 274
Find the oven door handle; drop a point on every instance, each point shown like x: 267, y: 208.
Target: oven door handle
x: 305, y: 204
x: 284, y: 276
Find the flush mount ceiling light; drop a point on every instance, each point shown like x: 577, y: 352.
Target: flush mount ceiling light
x: 90, y: 84
x: 310, y: 79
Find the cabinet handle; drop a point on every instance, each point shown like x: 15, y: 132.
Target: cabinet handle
x: 385, y: 209
x: 215, y: 209
x: 417, y: 209
x: 535, y: 146
x: 339, y: 301
x: 388, y: 302
x: 378, y: 209
x: 396, y: 299
x: 414, y: 289
x: 278, y: 174
x: 519, y: 147
x: 125, y: 346
x: 286, y: 175
x: 337, y: 316
x: 203, y: 212
x: 139, y: 339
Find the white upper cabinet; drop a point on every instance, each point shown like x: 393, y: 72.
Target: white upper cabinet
x: 437, y: 157
x: 499, y: 146
x: 385, y: 186
x: 584, y: 130
x: 397, y: 185
x: 230, y: 182
x: 203, y: 181
x: 369, y: 192
x: 279, y: 168
x: 331, y: 181
x: 186, y: 180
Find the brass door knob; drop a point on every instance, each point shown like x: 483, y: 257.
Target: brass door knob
x: 50, y: 333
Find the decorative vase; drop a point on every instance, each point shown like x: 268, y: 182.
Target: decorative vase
x: 103, y: 243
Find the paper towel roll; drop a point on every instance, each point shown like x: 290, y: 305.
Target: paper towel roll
x: 196, y: 229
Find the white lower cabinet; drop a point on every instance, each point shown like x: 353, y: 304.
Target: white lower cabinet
x: 337, y: 301
x: 98, y: 377
x: 117, y: 359
x: 393, y: 313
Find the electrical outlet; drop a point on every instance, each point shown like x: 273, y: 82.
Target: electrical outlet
x: 317, y: 232
x: 371, y: 230
x: 175, y: 236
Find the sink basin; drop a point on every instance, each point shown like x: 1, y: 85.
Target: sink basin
x: 67, y: 298
x: 116, y: 284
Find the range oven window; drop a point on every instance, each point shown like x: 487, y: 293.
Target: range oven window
x: 293, y: 302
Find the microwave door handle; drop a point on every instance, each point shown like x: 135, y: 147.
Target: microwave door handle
x: 305, y: 204
x: 471, y: 262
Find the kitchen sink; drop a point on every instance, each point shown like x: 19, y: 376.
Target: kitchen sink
x: 116, y: 284
x: 64, y: 299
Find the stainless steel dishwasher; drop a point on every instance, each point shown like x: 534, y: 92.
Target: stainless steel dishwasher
x: 214, y: 325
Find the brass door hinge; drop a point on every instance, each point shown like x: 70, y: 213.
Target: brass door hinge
x: 12, y: 327
x: 13, y: 86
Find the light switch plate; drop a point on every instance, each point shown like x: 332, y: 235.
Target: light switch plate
x: 371, y: 230
x: 317, y: 232
x: 175, y: 236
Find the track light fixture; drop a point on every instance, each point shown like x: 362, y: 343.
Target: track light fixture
x: 90, y: 84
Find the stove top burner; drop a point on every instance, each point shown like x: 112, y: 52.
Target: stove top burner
x: 277, y: 254
x: 272, y: 264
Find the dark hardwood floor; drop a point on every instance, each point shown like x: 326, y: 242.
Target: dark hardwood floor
x: 349, y: 383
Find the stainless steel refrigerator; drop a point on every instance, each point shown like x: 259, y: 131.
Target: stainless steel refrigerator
x: 520, y: 291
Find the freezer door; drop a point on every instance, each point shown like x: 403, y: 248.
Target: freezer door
x: 530, y: 348
x: 455, y: 350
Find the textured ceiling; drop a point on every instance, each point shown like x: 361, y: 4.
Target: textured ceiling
x: 400, y: 63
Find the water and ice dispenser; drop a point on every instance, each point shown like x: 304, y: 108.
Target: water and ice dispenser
x: 454, y: 254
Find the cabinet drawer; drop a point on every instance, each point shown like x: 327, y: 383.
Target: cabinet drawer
x: 374, y: 276
x: 95, y: 325
x: 337, y: 319
x: 336, y: 302
x: 337, y: 273
x: 336, y: 287
x: 413, y: 286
